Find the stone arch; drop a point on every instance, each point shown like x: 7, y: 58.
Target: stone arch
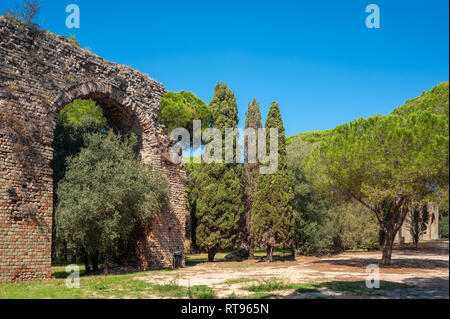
x: 40, y: 73
x: 118, y: 109
x: 107, y: 96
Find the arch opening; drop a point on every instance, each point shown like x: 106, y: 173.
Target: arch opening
x: 95, y: 112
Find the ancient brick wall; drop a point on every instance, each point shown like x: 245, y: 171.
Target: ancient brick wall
x: 40, y: 73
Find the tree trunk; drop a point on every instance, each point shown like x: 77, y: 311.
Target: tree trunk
x: 64, y: 251
x: 53, y: 249
x: 269, y: 257
x: 251, y: 250
x: 86, y: 262
x: 211, y: 254
x: 94, y: 259
x: 74, y: 256
x: 387, y: 248
x: 293, y: 250
x: 192, y: 224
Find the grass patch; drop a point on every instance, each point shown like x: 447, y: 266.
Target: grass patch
x: 100, y: 287
x: 62, y: 274
x: 239, y: 281
x: 359, y: 287
x: 264, y: 288
x: 201, y: 292
x: 175, y: 291
x: 170, y: 291
x: 277, y: 284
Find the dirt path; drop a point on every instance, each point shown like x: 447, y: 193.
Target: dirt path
x: 424, y: 271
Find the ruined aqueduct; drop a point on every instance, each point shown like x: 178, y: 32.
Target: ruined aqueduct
x: 40, y: 73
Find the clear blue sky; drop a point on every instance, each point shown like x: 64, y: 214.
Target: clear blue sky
x: 316, y: 58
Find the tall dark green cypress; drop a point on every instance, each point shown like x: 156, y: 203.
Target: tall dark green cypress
x: 251, y: 171
x: 219, y: 190
x: 272, y: 214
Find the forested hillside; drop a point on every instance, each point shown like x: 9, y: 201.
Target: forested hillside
x: 436, y: 100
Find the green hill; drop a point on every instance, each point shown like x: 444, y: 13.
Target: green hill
x: 311, y: 137
x: 435, y: 100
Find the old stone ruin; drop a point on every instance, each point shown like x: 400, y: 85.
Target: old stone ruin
x: 40, y: 73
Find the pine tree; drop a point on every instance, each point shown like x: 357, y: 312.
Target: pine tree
x: 272, y: 213
x: 251, y: 172
x: 224, y: 108
x: 218, y: 187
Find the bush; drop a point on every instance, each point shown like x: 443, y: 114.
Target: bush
x: 352, y: 226
x: 443, y: 227
x: 107, y: 194
x: 27, y: 13
x: 325, y: 220
x: 181, y: 109
x: 201, y: 292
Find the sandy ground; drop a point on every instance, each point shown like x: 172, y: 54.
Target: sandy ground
x: 425, y: 271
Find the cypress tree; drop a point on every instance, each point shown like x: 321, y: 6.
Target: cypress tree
x: 272, y: 213
x: 251, y: 171
x: 218, y: 186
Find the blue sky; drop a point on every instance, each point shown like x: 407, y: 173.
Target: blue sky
x: 317, y: 59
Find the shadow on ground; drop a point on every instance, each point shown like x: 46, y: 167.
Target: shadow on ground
x: 411, y: 263
x: 413, y: 288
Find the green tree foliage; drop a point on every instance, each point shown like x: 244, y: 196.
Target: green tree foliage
x: 350, y: 226
x: 309, y: 207
x: 388, y: 164
x: 272, y: 215
x: 219, y: 207
x: 107, y: 194
x: 72, y: 123
x: 181, y: 109
x: 311, y: 137
x: 251, y: 172
x: 435, y: 101
x: 253, y: 115
x: 218, y: 190
x: 443, y: 227
x: 274, y: 120
x: 324, y: 219
x: 191, y: 170
x: 224, y: 110
x: 443, y: 217
x: 83, y: 113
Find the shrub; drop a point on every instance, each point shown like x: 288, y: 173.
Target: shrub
x: 443, y: 227
x: 27, y: 13
x: 107, y: 194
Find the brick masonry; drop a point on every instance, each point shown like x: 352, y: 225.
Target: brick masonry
x: 40, y: 73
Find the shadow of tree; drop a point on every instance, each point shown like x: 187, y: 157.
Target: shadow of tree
x: 279, y: 258
x: 413, y: 288
x: 412, y: 263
